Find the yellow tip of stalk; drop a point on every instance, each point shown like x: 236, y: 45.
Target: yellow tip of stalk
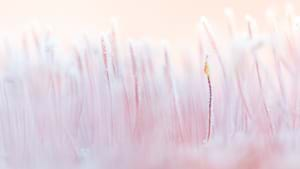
x: 206, y: 69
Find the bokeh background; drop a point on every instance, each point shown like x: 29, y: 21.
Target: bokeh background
x: 175, y: 20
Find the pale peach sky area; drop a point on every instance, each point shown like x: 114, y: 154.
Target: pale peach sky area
x: 175, y: 20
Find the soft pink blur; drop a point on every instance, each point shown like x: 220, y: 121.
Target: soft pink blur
x: 159, y: 19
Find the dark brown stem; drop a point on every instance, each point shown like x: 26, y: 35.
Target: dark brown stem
x: 209, y: 109
x: 206, y: 71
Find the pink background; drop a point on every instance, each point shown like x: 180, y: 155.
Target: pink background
x: 175, y: 20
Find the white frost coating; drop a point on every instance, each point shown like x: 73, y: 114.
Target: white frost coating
x: 105, y: 104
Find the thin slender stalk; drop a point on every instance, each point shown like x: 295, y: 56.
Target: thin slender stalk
x: 210, y: 101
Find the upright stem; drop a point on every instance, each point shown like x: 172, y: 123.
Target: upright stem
x: 206, y: 71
